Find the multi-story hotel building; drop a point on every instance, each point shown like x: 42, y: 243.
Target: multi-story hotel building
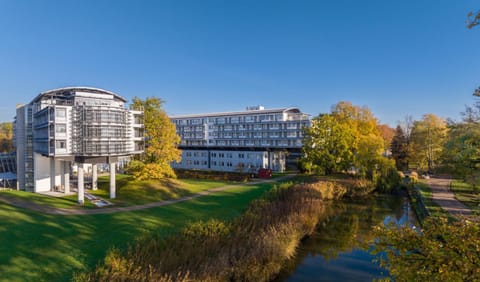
x: 242, y: 141
x: 73, y: 125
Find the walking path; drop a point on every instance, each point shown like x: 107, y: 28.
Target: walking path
x: 60, y: 211
x: 443, y: 196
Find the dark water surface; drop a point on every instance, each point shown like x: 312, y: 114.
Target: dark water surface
x: 338, y: 251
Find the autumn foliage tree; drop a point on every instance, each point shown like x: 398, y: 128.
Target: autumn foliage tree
x: 161, y: 142
x: 427, y: 140
x: 327, y: 145
x: 6, y: 137
x: 461, y: 154
x: 440, y: 251
x: 349, y: 137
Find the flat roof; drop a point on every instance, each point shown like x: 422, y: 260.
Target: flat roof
x: 246, y: 112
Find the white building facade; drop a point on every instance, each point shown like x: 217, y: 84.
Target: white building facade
x: 73, y: 125
x: 241, y: 141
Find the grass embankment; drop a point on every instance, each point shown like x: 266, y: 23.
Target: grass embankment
x: 422, y: 202
x: 129, y: 192
x: 466, y: 194
x: 254, y: 247
x: 41, y: 247
x: 133, y: 192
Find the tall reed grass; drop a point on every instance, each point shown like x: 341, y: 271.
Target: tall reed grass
x: 253, y: 247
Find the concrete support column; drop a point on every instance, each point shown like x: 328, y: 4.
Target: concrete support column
x: 112, y: 180
x: 81, y: 189
x: 52, y: 174
x: 94, y: 177
x: 66, y: 177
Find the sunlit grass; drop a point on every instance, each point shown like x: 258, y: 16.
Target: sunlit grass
x: 129, y: 192
x: 133, y: 192
x: 465, y: 193
x: 66, y: 202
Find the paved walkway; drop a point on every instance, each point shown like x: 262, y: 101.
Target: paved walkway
x: 60, y: 211
x: 443, y: 196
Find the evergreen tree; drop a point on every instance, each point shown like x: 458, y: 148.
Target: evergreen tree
x: 399, y: 148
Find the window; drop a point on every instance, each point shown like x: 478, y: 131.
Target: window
x: 60, y: 112
x: 61, y: 144
x: 291, y: 134
x: 60, y: 128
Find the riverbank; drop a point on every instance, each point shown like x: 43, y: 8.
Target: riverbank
x: 253, y: 247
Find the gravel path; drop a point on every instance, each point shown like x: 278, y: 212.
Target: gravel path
x: 107, y: 210
x: 443, y: 196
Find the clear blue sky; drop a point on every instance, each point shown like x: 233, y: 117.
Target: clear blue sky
x: 397, y: 57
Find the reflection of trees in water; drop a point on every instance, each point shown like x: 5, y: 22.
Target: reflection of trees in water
x: 344, y: 226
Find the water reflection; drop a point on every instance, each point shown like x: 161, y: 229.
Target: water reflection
x: 338, y: 251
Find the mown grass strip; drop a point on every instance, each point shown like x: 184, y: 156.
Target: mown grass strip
x: 467, y: 194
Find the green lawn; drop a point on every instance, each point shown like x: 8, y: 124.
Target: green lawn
x: 41, y: 247
x: 465, y: 193
x: 132, y: 192
x: 67, y: 202
x: 129, y: 192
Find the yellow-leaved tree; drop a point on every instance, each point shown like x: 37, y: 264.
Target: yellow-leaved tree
x: 161, y: 142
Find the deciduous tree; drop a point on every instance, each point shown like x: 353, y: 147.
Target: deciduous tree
x: 6, y: 137
x: 441, y: 251
x: 473, y: 19
x: 387, y: 134
x: 161, y: 141
x: 327, y: 144
x: 427, y: 139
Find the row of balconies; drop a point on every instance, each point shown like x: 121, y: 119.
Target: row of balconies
x: 248, y: 143
x: 243, y: 127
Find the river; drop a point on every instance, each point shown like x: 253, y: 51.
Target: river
x: 338, y: 250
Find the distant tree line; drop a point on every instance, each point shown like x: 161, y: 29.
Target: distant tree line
x: 432, y: 145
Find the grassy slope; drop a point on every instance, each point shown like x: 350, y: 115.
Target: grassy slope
x: 465, y: 193
x: 129, y: 192
x: 39, y: 247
